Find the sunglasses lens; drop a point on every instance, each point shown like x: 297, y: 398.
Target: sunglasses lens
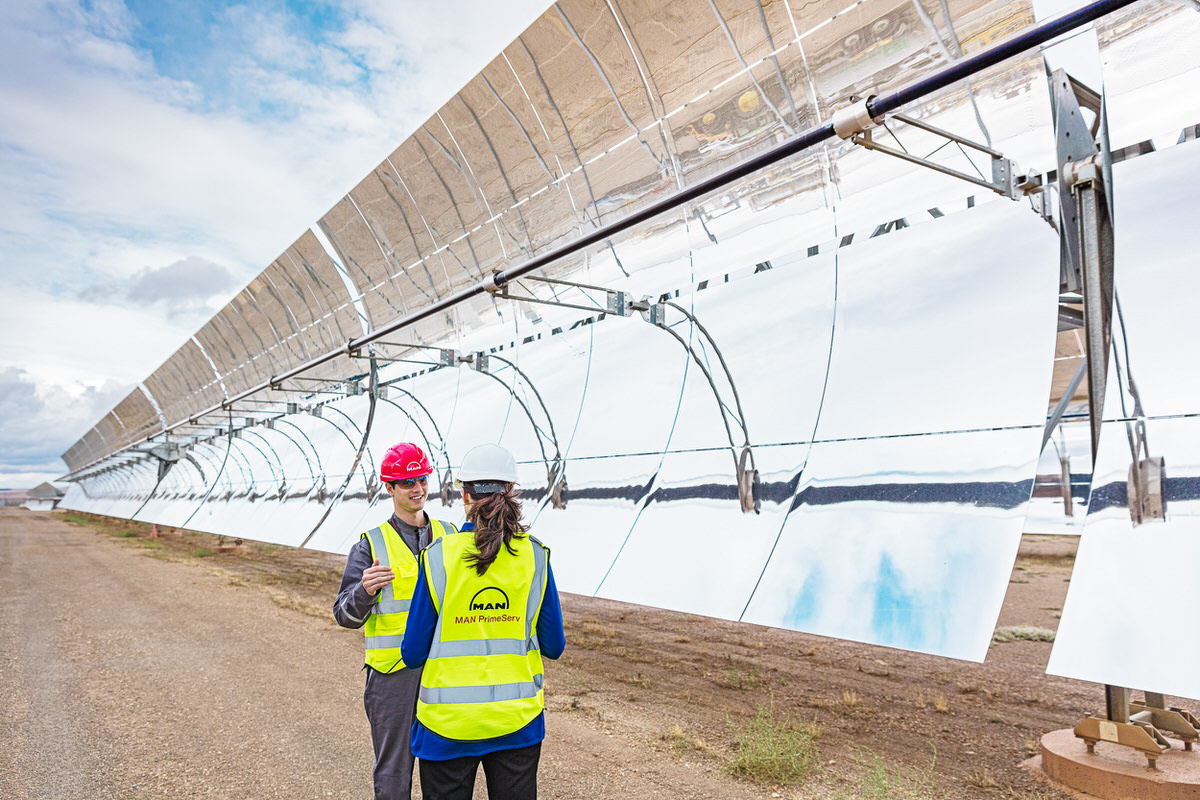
x: 407, y: 483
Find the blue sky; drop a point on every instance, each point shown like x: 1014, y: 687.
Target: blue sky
x: 155, y: 155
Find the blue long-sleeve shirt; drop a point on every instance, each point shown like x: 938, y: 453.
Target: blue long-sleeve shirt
x: 418, y: 638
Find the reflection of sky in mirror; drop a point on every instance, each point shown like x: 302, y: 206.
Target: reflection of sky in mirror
x: 947, y: 326
x: 1127, y: 620
x: 1151, y: 71
x: 1157, y: 281
x: 905, y: 542
x: 693, y: 513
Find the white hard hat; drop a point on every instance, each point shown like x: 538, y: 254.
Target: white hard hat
x: 487, y: 462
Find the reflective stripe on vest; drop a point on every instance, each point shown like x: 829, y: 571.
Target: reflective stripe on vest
x: 478, y: 683
x: 384, y: 628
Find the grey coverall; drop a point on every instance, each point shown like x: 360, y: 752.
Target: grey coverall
x: 390, y: 698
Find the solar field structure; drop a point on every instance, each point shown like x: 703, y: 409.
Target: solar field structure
x: 828, y: 395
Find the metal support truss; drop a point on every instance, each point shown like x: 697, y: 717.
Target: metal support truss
x: 623, y: 304
x: 856, y: 124
x: 556, y: 470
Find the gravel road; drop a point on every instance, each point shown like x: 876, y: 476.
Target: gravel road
x: 126, y: 677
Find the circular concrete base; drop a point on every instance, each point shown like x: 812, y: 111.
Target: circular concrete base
x: 1115, y: 772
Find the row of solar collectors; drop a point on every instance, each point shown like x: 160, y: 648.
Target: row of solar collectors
x: 596, y: 110
x: 893, y: 388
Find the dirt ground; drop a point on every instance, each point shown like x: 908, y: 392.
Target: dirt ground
x: 140, y: 668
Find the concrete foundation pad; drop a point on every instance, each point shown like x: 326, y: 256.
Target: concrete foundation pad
x: 1114, y: 772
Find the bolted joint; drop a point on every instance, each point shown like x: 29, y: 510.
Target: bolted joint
x: 1083, y: 173
x: 853, y: 119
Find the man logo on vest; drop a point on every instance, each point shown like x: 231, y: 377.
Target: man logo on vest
x: 491, y: 598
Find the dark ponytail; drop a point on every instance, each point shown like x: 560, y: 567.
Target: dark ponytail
x: 497, y: 518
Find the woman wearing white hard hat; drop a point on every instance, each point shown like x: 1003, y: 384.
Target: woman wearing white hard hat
x: 484, y: 612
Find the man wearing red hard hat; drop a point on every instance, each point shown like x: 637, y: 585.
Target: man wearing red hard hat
x: 377, y: 586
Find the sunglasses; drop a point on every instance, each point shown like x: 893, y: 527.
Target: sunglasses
x: 407, y: 483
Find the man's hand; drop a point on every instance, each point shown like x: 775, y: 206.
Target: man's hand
x: 376, y: 577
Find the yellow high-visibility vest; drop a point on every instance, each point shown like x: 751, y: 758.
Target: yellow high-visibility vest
x: 483, y: 678
x: 384, y: 628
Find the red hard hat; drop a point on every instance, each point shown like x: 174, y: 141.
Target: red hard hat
x: 404, y: 460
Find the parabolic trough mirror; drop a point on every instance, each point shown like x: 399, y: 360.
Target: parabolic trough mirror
x: 827, y: 393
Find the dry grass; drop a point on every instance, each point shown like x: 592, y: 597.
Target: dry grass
x: 941, y: 704
x: 981, y: 779
x: 592, y: 634
x: 682, y: 740
x: 850, y: 698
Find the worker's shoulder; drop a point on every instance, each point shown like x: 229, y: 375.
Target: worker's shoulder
x: 447, y: 526
x: 382, y: 527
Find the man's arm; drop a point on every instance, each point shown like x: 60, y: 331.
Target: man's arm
x: 354, y: 603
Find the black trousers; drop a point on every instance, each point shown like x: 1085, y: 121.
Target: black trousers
x: 390, y: 699
x: 510, y: 775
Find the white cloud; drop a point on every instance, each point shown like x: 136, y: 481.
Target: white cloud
x: 122, y: 176
x: 32, y: 428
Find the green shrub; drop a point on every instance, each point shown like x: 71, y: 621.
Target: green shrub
x: 774, y: 751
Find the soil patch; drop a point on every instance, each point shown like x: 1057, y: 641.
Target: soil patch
x: 648, y: 702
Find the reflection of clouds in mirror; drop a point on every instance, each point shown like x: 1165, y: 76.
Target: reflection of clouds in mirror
x: 917, y: 568
x: 913, y: 578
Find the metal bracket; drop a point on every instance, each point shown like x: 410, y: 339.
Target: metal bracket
x: 1004, y: 178
x: 168, y: 454
x: 1154, y: 711
x: 1144, y: 488
x: 556, y: 480
x: 747, y: 482
x: 853, y: 119
x: 494, y: 285
x: 1139, y: 725
x: 479, y: 362
x: 1140, y: 736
